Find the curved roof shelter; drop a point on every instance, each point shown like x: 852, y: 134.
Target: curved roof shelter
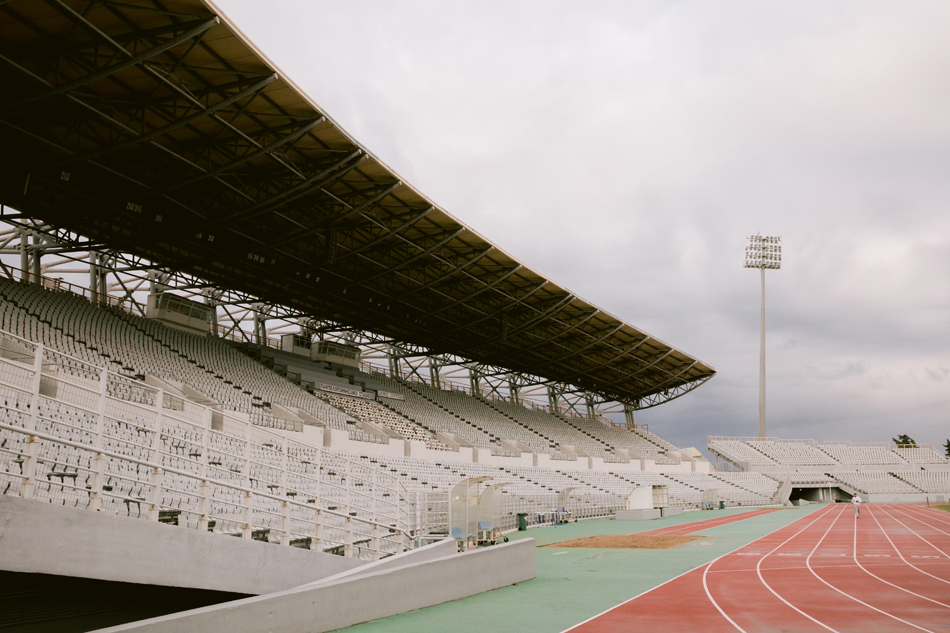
x: 158, y: 129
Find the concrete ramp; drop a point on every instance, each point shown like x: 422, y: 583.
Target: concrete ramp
x: 413, y: 580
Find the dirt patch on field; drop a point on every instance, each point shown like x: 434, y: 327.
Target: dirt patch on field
x: 629, y: 541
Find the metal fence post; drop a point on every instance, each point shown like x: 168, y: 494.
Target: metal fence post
x: 284, y: 523
x: 375, y: 542
x: 348, y: 543
x: 315, y: 543
x: 247, y: 530
x: 28, y: 467
x: 155, y: 494
x: 204, y: 505
x: 285, y: 507
x: 98, y: 479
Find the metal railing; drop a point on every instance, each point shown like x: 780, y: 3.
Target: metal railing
x: 78, y: 435
x: 433, y: 509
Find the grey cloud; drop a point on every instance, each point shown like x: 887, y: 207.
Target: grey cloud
x: 626, y: 150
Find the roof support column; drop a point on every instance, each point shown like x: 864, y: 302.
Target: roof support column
x: 514, y: 388
x: 435, y: 377
x: 37, y: 257
x: 628, y: 415
x: 393, y: 358
x: 554, y: 399
x: 94, y: 277
x: 259, y: 315
x: 103, y: 270
x: 591, y: 406
x: 211, y: 299
x: 24, y: 254
x: 474, y: 379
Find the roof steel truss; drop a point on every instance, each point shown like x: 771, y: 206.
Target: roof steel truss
x: 165, y: 136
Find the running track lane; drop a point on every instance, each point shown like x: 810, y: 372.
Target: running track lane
x: 825, y: 572
x: 699, y: 526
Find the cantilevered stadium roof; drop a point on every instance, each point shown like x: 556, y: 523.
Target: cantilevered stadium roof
x: 158, y: 129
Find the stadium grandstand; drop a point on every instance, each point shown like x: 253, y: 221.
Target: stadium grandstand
x: 221, y: 316
x: 822, y: 470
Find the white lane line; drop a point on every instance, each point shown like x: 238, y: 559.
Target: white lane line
x: 680, y: 576
x: 937, y: 515
x: 899, y: 552
x: 855, y: 556
x: 758, y: 570
x: 918, y: 514
x: 847, y: 595
x: 914, y: 532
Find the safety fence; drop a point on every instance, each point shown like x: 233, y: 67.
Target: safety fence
x: 78, y: 435
x: 433, y: 509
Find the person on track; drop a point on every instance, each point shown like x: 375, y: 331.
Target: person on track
x: 856, y: 502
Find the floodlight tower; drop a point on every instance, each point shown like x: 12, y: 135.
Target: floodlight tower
x: 763, y: 252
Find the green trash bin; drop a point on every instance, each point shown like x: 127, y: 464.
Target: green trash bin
x: 522, y: 521
x: 722, y: 505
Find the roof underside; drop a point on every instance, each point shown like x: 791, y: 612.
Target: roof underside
x: 157, y: 129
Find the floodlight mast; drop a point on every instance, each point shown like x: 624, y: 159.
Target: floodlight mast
x: 763, y: 252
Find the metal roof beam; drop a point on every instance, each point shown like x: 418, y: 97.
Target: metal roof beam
x: 335, y: 171
x: 243, y: 159
x: 199, y: 28
x: 474, y: 294
x: 626, y: 377
x: 171, y: 127
x: 459, y: 268
x: 524, y: 326
x: 442, y: 242
x: 505, y: 308
x: 358, y: 209
x: 390, y: 233
x: 597, y: 340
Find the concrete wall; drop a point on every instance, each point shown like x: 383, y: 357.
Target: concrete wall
x: 339, y: 439
x: 331, y: 605
x: 36, y: 537
x: 908, y: 498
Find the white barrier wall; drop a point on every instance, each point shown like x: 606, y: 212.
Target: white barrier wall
x: 41, y: 538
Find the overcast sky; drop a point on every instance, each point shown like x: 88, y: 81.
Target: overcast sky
x: 627, y: 149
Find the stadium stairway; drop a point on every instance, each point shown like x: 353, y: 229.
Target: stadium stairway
x: 553, y: 444
x: 607, y: 447
x: 408, y: 385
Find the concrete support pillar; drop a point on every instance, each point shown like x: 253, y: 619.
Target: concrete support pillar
x: 37, y: 257
x: 591, y: 410
x: 24, y: 254
x: 393, y: 358
x: 259, y: 315
x: 94, y: 278
x: 103, y: 270
x: 211, y: 300
x: 434, y: 374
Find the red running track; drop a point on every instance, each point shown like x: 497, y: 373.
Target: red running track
x: 888, y: 571
x: 699, y: 526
